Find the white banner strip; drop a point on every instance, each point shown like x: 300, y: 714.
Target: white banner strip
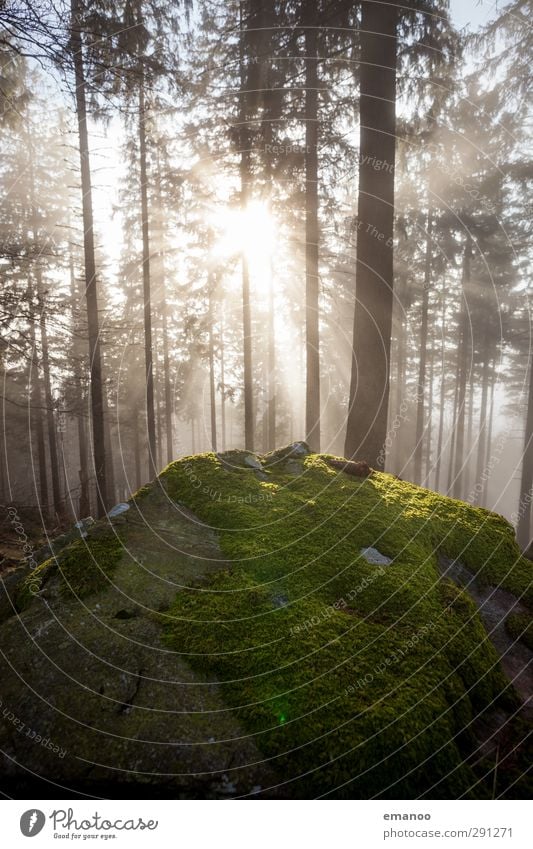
x: 267, y: 824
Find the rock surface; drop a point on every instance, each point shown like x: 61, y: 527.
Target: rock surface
x: 219, y: 638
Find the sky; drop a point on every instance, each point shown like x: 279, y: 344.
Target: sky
x: 472, y: 13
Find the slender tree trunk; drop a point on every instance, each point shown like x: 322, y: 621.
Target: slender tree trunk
x: 489, y: 434
x: 212, y: 384
x: 246, y: 308
x: 84, y: 504
x: 442, y: 401
x: 137, y: 450
x: 95, y: 367
x: 526, y: 481
x: 400, y: 392
x: 164, y: 317
x: 272, y: 383
x: 111, y: 485
x: 369, y: 388
x: 463, y: 356
x: 429, y: 426
x: 222, y: 381
x: 482, y: 439
x: 159, y: 441
x: 419, y: 438
x: 148, y: 348
x: 470, y: 429
x: 453, y: 436
x: 312, y: 340
x: 45, y: 353
x: 36, y: 402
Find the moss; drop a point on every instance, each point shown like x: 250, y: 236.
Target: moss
x: 519, y: 626
x: 34, y: 582
x: 364, y: 675
x: 84, y: 567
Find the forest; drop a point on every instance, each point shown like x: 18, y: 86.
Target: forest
x: 277, y: 241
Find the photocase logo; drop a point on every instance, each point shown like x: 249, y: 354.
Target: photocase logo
x: 32, y: 822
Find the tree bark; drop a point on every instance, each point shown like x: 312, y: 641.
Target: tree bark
x: 246, y: 308
x: 419, y: 437
x: 482, y: 440
x: 369, y: 387
x: 212, y: 386
x: 164, y: 317
x: 312, y: 355
x: 84, y: 504
x: 36, y: 403
x: 526, y: 481
x: 462, y: 356
x: 95, y: 366
x: 148, y: 348
x: 442, y: 401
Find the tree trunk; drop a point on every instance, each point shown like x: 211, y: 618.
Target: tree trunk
x: 45, y: 354
x: 222, y: 381
x: 246, y: 309
x: 164, y: 316
x: 419, y: 437
x: 111, y: 486
x: 212, y: 385
x: 429, y: 426
x: 369, y: 388
x: 526, y: 481
x: 95, y: 366
x: 84, y: 503
x: 470, y: 430
x: 463, y: 355
x: 482, y: 440
x: 489, y: 434
x: 312, y: 341
x: 148, y: 350
x: 442, y: 388
x: 36, y: 403
x: 137, y: 450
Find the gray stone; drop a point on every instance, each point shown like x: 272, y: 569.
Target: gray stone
x: 372, y: 555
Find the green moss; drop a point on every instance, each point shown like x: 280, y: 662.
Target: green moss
x: 83, y: 567
x: 34, y: 582
x: 86, y: 565
x: 367, y: 676
x: 519, y: 626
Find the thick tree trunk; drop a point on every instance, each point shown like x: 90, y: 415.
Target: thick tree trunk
x: 95, y: 366
x: 312, y: 355
x: 526, y: 481
x: 463, y: 357
x: 148, y: 349
x: 421, y: 388
x: 369, y: 388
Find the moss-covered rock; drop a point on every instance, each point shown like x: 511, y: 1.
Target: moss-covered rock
x: 226, y: 636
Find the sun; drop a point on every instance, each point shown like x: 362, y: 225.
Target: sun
x: 249, y: 232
